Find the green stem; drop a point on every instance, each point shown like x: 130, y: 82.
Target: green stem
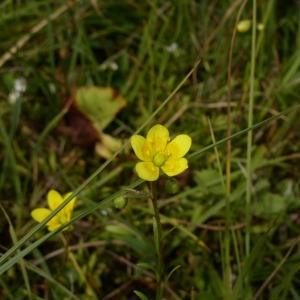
x: 89, y: 289
x: 250, y: 133
x: 158, y: 242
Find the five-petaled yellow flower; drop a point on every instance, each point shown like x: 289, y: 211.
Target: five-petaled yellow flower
x: 158, y: 153
x: 54, y: 200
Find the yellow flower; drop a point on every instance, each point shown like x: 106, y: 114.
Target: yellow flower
x: 157, y: 153
x: 54, y: 200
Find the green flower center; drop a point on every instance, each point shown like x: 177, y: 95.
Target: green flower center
x: 159, y: 159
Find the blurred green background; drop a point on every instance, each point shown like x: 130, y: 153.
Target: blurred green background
x: 140, y: 51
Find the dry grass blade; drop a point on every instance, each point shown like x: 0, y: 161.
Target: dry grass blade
x: 23, y: 40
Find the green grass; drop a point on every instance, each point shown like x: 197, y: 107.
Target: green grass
x: 233, y: 226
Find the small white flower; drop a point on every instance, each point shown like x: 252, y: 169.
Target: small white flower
x: 20, y: 85
x: 52, y: 88
x: 19, y: 88
x: 104, y: 212
x: 13, y: 97
x: 113, y: 66
x: 172, y: 48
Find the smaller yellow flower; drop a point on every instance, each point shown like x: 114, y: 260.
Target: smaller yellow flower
x: 63, y: 216
x: 159, y: 154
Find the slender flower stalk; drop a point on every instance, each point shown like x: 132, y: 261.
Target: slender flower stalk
x: 159, y: 242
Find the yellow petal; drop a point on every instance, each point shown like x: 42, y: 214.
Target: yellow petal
x: 157, y: 138
x: 147, y: 171
x: 53, y: 223
x: 175, y: 167
x: 158, y: 131
x: 39, y: 214
x: 68, y: 209
x: 179, y: 147
x: 140, y: 147
x: 54, y: 199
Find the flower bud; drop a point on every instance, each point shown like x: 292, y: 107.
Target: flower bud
x: 172, y: 186
x: 243, y: 26
x: 260, y: 27
x: 120, y: 202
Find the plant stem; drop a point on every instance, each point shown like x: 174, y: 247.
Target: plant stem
x: 158, y: 242
x: 89, y: 289
x: 250, y: 133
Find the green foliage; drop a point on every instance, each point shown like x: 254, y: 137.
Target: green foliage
x: 180, y: 64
